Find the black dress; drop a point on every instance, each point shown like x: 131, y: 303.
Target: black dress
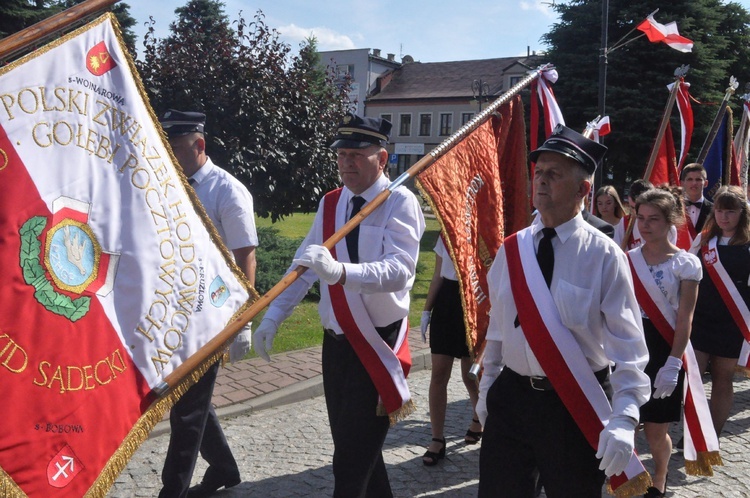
x: 714, y: 330
x: 447, y: 329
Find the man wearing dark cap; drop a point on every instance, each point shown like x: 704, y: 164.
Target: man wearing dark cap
x: 365, y: 283
x: 563, y: 310
x: 193, y: 420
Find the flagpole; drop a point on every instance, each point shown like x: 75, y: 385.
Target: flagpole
x: 717, y: 120
x: 679, y: 74
x: 13, y: 45
x: 223, y: 338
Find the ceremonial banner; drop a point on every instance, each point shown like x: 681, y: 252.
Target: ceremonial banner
x: 111, y: 276
x: 475, y: 209
x: 664, y: 171
x: 720, y: 158
x: 741, y: 145
x: 686, y: 120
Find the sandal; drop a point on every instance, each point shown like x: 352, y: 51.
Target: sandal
x: 473, y: 437
x: 431, y: 458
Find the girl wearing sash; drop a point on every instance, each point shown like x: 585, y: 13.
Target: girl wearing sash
x: 675, y: 275
x: 608, y: 207
x: 718, y: 338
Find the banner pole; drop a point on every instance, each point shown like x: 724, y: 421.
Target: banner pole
x: 717, y: 120
x: 223, y: 338
x: 679, y: 74
x: 17, y: 43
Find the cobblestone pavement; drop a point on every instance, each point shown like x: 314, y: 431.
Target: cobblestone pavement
x: 285, y: 451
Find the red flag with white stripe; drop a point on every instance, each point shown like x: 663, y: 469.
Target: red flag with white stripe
x: 666, y: 33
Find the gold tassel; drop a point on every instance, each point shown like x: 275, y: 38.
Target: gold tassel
x: 406, y: 409
x: 702, y: 466
x: 636, y: 486
x: 8, y: 487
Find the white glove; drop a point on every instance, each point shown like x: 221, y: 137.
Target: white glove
x: 263, y: 338
x: 426, y: 316
x: 616, y: 443
x: 319, y: 260
x: 666, y: 377
x: 241, y: 344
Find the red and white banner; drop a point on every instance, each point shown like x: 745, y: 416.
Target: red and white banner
x: 110, y: 277
x: 686, y: 120
x: 741, y: 145
x: 667, y: 33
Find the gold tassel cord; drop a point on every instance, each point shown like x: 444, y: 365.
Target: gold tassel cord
x: 636, y: 486
x: 703, y: 465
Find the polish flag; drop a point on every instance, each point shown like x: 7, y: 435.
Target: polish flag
x: 666, y: 33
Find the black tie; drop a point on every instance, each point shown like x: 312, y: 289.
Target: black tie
x: 191, y: 181
x: 698, y: 204
x: 352, y: 238
x: 545, y: 256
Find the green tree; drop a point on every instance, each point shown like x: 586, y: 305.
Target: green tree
x: 264, y: 120
x: 639, y: 71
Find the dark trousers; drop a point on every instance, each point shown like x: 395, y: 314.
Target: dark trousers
x: 358, y: 433
x: 195, y: 427
x: 528, y: 430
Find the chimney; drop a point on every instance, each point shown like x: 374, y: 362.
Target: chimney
x: 528, y: 50
x: 376, y: 52
x: 391, y: 57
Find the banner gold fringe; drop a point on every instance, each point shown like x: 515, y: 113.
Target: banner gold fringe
x: 744, y: 371
x: 140, y: 431
x: 8, y: 487
x: 703, y: 465
x: 636, y: 486
x: 406, y: 409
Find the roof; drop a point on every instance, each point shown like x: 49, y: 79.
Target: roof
x: 430, y: 80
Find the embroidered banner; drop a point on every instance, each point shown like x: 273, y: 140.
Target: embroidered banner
x: 110, y: 275
x: 475, y: 209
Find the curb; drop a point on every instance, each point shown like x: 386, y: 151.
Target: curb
x: 299, y: 391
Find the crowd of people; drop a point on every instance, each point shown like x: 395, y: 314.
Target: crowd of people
x: 575, y: 361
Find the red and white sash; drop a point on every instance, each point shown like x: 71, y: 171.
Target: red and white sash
x: 387, y: 369
x: 561, y: 357
x: 731, y: 297
x: 701, y: 444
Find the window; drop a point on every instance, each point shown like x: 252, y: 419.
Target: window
x: 514, y: 80
x: 446, y: 124
x: 425, y: 125
x: 466, y: 117
x: 344, y: 70
x: 387, y: 117
x: 404, y: 127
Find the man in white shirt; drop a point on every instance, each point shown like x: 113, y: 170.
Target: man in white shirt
x: 365, y: 282
x: 193, y: 421
x: 580, y: 305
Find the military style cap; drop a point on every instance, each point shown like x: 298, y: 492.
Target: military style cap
x: 177, y: 123
x: 572, y: 144
x: 356, y: 132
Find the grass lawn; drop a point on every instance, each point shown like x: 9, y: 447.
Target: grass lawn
x: 303, y: 329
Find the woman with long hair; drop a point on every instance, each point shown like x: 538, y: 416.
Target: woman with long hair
x: 608, y: 206
x: 720, y: 322
x: 666, y: 281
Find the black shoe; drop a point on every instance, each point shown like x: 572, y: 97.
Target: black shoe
x: 430, y: 458
x: 473, y: 437
x: 208, y: 488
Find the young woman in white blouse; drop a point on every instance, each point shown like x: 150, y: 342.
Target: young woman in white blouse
x: 672, y: 279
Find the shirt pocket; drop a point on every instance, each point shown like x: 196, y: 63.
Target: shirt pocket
x: 573, y: 303
x: 370, y: 243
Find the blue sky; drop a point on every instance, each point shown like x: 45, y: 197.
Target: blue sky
x: 428, y: 30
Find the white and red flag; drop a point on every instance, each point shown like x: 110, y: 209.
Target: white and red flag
x: 667, y: 33
x: 110, y: 276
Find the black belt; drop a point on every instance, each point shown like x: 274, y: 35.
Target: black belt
x: 543, y: 383
x: 389, y: 333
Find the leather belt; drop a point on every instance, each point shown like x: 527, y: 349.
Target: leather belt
x: 389, y: 333
x: 544, y: 384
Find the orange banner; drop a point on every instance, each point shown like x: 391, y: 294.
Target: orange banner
x: 479, y: 191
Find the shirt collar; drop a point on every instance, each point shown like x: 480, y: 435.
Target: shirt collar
x: 380, y: 184
x: 563, y: 231
x: 203, y: 172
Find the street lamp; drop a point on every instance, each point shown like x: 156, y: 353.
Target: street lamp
x: 480, y: 89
